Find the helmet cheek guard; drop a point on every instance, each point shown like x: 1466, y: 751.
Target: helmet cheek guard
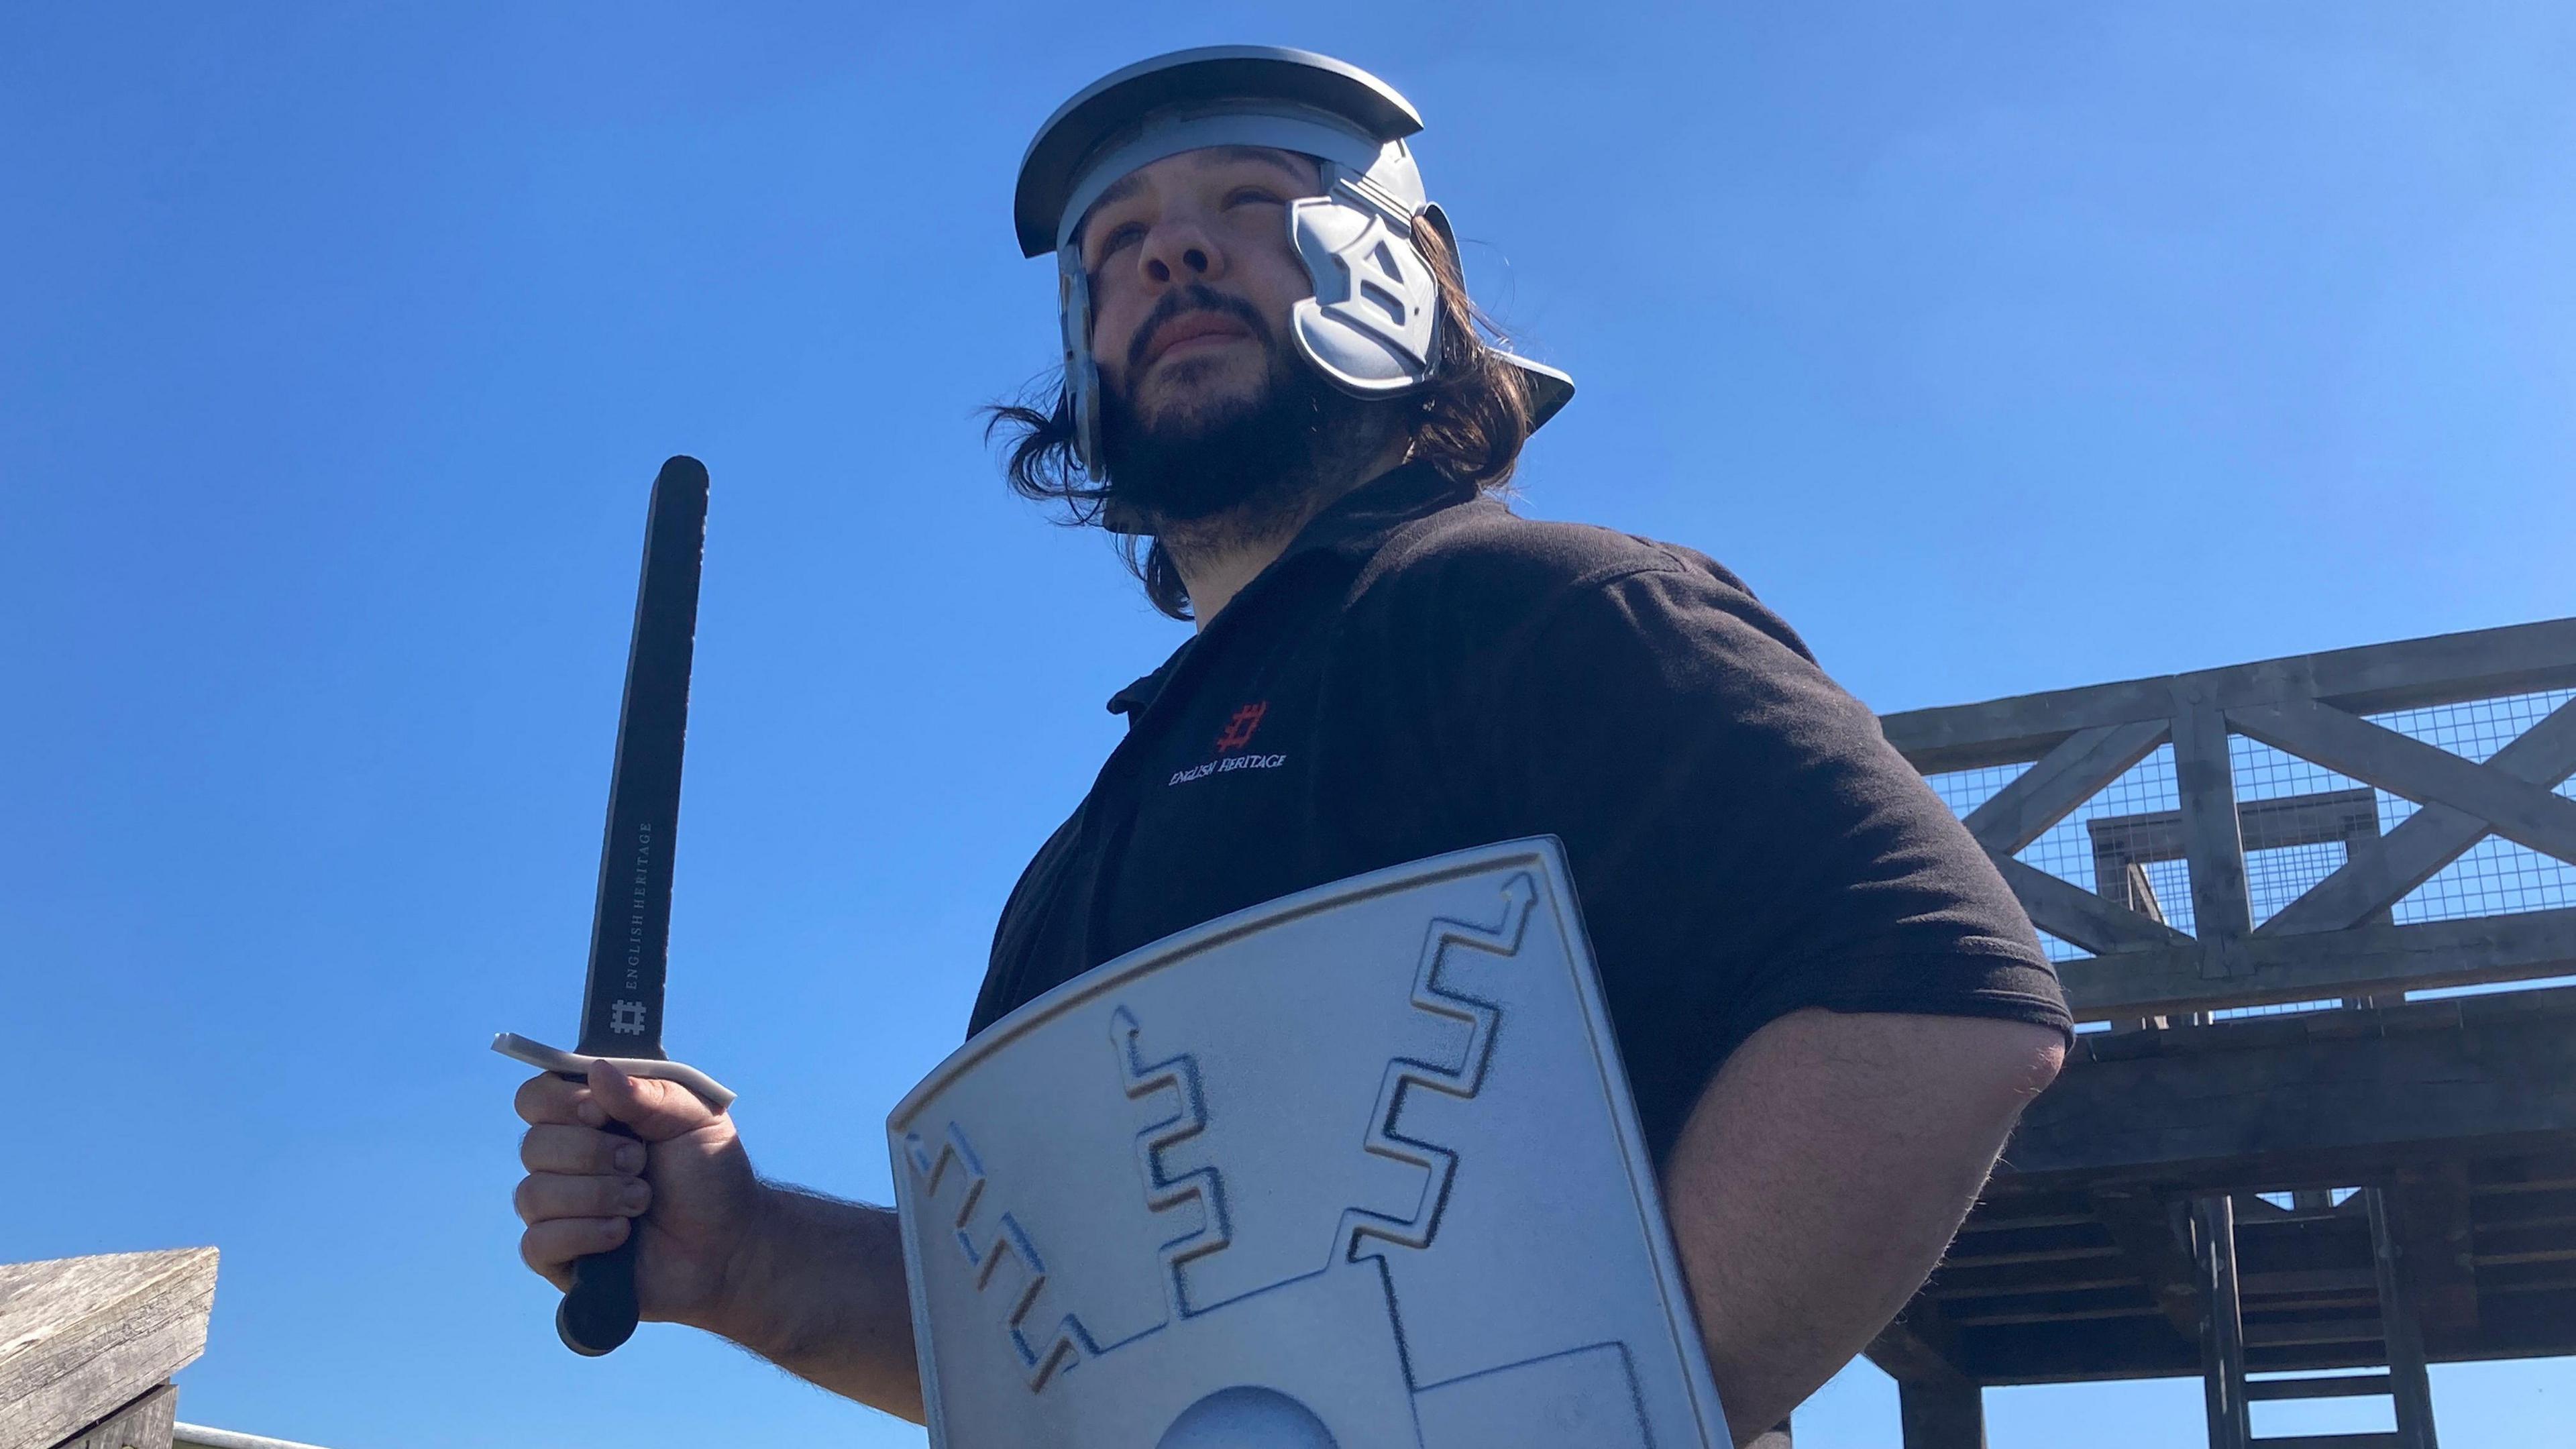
x: 1372, y: 327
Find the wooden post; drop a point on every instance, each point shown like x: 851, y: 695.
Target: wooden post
x: 2222, y: 1330
x: 2213, y: 846
x: 1947, y: 1415
x: 2408, y: 1383
x: 87, y: 1346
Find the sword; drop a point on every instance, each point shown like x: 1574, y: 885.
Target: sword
x: 630, y: 927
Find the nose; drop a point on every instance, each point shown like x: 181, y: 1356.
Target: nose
x: 1180, y: 250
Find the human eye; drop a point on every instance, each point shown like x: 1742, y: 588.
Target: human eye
x: 1254, y: 196
x: 1120, y: 236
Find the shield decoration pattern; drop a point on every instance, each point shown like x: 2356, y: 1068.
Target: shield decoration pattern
x: 1354, y: 1168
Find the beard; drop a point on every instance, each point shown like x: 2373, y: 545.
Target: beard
x: 1241, y: 465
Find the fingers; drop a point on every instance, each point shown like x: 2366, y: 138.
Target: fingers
x: 555, y: 1148
x: 549, y: 1247
x: 548, y: 1196
x: 550, y: 1098
x: 657, y: 1110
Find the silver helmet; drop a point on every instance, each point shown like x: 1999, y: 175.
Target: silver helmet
x: 1373, y: 326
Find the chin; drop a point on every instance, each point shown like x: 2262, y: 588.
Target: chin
x: 1200, y: 393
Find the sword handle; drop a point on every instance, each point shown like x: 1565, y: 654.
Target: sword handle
x: 599, y: 1312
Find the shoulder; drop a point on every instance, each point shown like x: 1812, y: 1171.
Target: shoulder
x: 1479, y: 573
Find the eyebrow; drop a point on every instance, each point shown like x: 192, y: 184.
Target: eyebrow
x: 1127, y: 185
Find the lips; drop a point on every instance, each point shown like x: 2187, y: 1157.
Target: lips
x: 1190, y: 327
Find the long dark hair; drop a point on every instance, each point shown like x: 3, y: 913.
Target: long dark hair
x: 1469, y: 423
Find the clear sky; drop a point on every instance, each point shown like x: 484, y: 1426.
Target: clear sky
x: 2000, y: 347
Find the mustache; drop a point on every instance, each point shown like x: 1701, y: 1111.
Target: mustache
x: 1196, y: 297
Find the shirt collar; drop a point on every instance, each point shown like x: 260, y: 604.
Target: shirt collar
x: 1353, y: 527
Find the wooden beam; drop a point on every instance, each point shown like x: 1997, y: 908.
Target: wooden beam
x: 2445, y: 668
x: 80, y: 1338
x: 1920, y: 1346
x: 143, y: 1424
x: 2428, y: 1209
x: 2146, y: 1230
x: 2344, y: 1096
x: 2377, y: 874
x: 2063, y: 779
x: 2353, y: 962
x: 1941, y: 1416
x: 2072, y: 913
x: 2427, y: 774
x: 2274, y: 824
x: 2205, y: 780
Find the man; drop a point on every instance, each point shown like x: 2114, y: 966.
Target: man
x: 1829, y: 1008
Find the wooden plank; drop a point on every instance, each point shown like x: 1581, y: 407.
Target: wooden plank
x: 81, y: 1337
x: 2342, y: 1386
x: 2063, y: 779
x: 2377, y: 874
x: 2353, y: 962
x: 2274, y: 824
x: 2427, y: 774
x: 2429, y: 1210
x: 143, y: 1424
x: 2145, y: 1229
x: 2072, y: 913
x: 2442, y: 669
x: 2205, y: 780
x: 2293, y: 1105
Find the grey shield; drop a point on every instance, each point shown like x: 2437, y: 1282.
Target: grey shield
x: 1355, y: 1168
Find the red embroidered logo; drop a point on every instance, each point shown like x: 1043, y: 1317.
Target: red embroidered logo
x: 1238, y: 730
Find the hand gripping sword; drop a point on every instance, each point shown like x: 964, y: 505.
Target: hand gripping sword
x: 630, y: 929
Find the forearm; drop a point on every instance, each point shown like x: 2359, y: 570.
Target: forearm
x: 819, y: 1290
x: 1819, y: 1179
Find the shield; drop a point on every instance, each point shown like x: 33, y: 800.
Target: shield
x: 1355, y: 1168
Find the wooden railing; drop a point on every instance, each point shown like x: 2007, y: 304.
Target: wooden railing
x: 2336, y: 938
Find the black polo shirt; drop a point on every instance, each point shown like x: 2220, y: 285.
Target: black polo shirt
x: 1423, y: 671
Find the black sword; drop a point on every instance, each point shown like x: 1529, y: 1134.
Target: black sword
x: 630, y: 927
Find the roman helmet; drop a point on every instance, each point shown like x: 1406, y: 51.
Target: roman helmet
x: 1373, y: 326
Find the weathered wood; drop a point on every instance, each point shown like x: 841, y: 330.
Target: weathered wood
x: 2376, y: 875
x: 2352, y: 962
x: 2427, y: 774
x: 2429, y: 1209
x: 2275, y: 824
x: 1920, y: 1346
x: 1941, y: 1415
x: 80, y: 1337
x: 2205, y: 781
x: 2072, y: 913
x: 2144, y: 1227
x: 2443, y: 669
x: 2222, y: 1330
x: 2344, y: 1096
x: 2064, y: 778
x: 143, y: 1424
x: 2403, y: 1335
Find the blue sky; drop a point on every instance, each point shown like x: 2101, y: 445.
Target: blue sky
x: 2002, y: 348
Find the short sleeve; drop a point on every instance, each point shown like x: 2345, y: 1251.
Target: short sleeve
x: 1744, y: 841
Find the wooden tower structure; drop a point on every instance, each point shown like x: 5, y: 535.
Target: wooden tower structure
x: 2280, y: 1156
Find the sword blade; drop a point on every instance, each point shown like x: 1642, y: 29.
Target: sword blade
x: 630, y: 928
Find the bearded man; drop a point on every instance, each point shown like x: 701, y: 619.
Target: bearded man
x: 1829, y: 1009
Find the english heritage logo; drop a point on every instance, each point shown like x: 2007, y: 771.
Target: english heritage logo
x: 1231, y: 742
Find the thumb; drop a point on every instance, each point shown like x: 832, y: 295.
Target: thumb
x: 657, y: 1110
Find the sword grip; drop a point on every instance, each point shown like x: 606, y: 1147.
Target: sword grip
x: 599, y: 1312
